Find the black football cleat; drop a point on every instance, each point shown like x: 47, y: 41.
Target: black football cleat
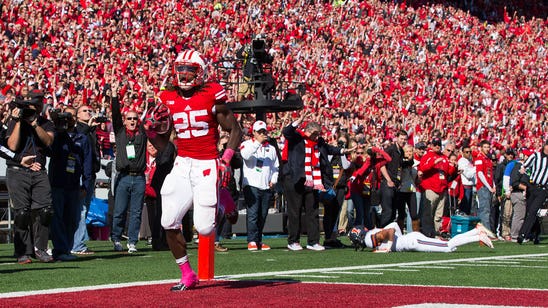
x: 179, y: 287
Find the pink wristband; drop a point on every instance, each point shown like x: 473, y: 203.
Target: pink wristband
x: 227, y: 155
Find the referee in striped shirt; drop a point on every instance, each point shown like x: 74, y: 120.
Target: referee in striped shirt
x: 537, y: 190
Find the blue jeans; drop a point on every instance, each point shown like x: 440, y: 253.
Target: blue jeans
x: 350, y: 212
x: 257, y: 202
x: 485, y: 200
x: 66, y: 207
x: 466, y: 203
x: 81, y: 235
x: 130, y: 192
x: 362, y: 204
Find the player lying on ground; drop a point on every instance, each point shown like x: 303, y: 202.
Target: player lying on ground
x: 390, y: 238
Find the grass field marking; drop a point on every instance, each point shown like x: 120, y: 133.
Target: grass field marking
x: 295, y: 272
x: 498, y: 265
x: 498, y: 262
x: 529, y: 259
x: 354, y: 273
x: 430, y: 266
x: 421, y: 286
x: 376, y: 266
x: 86, y: 288
x: 309, y: 276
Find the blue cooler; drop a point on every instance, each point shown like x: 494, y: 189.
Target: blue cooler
x: 461, y: 224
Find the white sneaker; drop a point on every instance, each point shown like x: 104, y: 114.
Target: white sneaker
x: 482, y: 228
x: 131, y: 248
x: 295, y: 247
x: 118, y: 246
x: 484, y: 238
x: 316, y: 247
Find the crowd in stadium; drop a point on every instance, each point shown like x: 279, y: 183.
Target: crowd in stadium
x: 370, y: 68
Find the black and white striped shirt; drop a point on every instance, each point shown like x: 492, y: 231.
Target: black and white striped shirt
x: 538, y: 164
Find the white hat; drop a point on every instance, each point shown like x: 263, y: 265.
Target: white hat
x: 258, y: 125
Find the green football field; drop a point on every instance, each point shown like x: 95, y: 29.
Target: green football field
x: 509, y: 265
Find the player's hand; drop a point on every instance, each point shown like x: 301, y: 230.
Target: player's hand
x: 225, y: 172
x: 158, y: 120
x: 381, y: 250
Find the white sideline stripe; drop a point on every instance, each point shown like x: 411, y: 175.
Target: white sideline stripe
x: 86, y: 288
x: 395, y: 270
x: 498, y: 262
x: 431, y: 266
x: 355, y: 273
x: 377, y: 266
x: 501, y: 265
x: 279, y: 273
x: 308, y: 276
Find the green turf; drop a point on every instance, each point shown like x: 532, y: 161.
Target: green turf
x: 107, y: 267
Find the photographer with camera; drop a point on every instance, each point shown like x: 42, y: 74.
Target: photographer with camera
x: 86, y: 124
x: 70, y: 165
x: 257, y: 81
x: 29, y: 133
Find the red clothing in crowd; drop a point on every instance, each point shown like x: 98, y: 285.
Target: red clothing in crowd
x: 435, y: 175
x: 104, y: 140
x: 366, y: 170
x: 485, y: 165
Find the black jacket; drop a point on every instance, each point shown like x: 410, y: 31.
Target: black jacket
x: 91, y: 134
x: 139, y: 141
x: 293, y: 170
x: 164, y: 164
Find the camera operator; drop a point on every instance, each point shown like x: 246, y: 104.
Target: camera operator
x: 70, y: 165
x: 29, y: 134
x: 86, y: 124
x: 257, y: 82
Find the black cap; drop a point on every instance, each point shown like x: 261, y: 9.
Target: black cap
x: 510, y: 151
x: 420, y: 145
x: 436, y: 141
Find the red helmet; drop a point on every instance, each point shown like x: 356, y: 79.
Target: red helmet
x: 189, y: 69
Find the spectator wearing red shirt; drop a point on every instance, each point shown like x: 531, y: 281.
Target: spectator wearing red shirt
x: 367, y: 172
x: 485, y: 186
x: 436, y: 169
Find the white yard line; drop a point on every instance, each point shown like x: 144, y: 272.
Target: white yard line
x: 308, y: 276
x: 354, y: 273
x: 301, y: 272
x: 499, y: 265
x: 376, y: 266
x: 430, y: 266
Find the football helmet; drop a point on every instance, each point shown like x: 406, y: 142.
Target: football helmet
x: 189, y: 70
x: 357, y: 237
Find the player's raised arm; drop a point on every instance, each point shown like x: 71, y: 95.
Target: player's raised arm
x: 228, y: 122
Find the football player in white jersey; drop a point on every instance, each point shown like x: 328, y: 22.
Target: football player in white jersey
x: 390, y: 238
x: 194, y: 108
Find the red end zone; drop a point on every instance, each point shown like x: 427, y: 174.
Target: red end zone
x: 286, y: 294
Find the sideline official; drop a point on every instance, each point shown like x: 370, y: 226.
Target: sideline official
x: 537, y: 164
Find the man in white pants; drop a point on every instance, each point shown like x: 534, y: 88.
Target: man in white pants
x: 390, y: 238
